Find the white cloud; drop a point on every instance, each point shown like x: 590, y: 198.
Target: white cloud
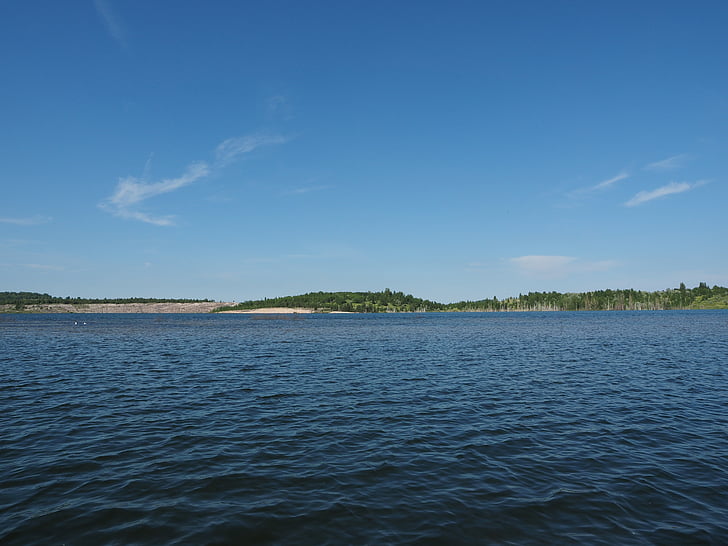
x: 542, y: 265
x: 668, y: 164
x: 278, y: 106
x: 274, y: 102
x: 232, y: 149
x: 580, y: 193
x: 42, y: 267
x: 308, y: 189
x: 557, y: 266
x: 27, y: 221
x: 144, y: 217
x: 609, y: 182
x: 111, y: 21
x: 672, y: 187
x: 132, y: 191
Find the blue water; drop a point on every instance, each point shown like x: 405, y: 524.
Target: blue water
x: 380, y: 429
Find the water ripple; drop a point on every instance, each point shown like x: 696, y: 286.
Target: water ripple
x: 459, y: 429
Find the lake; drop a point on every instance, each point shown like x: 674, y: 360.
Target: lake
x: 527, y: 428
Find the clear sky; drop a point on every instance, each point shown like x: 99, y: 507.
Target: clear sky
x: 452, y: 150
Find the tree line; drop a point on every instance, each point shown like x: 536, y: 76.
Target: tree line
x: 21, y: 299
x: 700, y: 297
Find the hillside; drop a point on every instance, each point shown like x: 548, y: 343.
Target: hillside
x: 353, y: 302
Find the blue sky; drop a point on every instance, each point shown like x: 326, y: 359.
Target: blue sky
x: 452, y: 150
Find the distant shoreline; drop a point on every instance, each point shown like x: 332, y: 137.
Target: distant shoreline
x: 211, y: 308
x: 169, y: 307
x: 386, y: 301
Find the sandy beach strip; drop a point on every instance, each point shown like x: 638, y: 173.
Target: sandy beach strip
x: 284, y: 311
x: 271, y: 311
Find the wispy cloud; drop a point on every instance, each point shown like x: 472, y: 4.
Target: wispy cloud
x: 279, y: 106
x: 557, y: 266
x: 232, y: 149
x: 668, y: 164
x: 43, y: 267
x: 132, y: 191
x: 27, y: 221
x: 167, y: 220
x: 308, y: 189
x: 606, y: 183
x: 662, y: 191
x: 12, y: 243
x: 111, y: 21
x: 603, y: 185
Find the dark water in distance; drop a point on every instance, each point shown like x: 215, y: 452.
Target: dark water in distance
x: 604, y: 427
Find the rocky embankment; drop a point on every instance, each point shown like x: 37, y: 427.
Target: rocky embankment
x: 198, y: 307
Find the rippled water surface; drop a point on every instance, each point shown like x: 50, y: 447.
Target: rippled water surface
x: 396, y: 429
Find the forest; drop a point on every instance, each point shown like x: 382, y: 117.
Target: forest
x: 355, y: 302
x: 700, y: 297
